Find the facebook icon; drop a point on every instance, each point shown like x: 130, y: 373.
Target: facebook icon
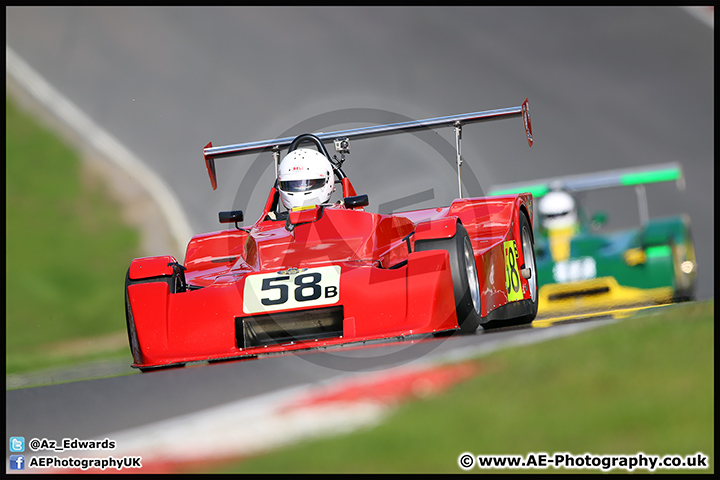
x: 17, y: 462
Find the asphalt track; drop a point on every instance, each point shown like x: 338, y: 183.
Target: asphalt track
x: 608, y: 88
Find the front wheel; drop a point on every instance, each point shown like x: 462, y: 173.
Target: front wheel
x: 466, y: 286
x: 685, y: 268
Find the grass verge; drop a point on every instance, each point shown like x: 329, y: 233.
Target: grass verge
x: 67, y: 250
x: 644, y: 384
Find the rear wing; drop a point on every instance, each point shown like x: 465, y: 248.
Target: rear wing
x: 637, y: 177
x: 341, y: 137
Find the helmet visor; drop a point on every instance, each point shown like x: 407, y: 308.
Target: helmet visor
x: 302, y: 185
x: 556, y: 215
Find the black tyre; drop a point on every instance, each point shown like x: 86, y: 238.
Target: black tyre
x: 176, y: 283
x: 528, y: 248
x: 685, y: 267
x: 463, y: 269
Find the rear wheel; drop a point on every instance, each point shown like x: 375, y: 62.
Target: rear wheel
x: 530, y: 275
x: 466, y: 286
x: 529, y: 272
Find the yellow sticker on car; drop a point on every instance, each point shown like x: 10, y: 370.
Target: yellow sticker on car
x: 512, y: 271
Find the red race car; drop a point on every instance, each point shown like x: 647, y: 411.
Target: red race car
x: 312, y: 274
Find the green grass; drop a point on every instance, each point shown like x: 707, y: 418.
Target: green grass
x: 67, y: 249
x: 644, y: 384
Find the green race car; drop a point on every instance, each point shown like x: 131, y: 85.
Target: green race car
x: 582, y: 270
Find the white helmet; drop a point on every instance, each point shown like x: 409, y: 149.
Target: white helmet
x: 305, y: 177
x: 557, y: 210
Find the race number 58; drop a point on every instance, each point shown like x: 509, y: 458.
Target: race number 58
x: 312, y: 287
x: 512, y: 271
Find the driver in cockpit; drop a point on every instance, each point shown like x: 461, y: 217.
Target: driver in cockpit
x: 305, y: 178
x: 560, y: 222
